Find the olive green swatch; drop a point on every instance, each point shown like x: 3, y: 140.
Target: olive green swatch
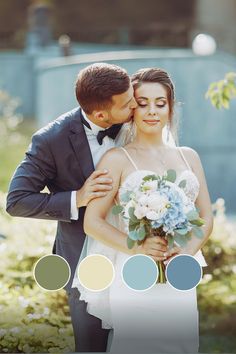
x: 52, y: 272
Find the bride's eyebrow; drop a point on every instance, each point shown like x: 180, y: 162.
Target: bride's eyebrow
x: 146, y: 98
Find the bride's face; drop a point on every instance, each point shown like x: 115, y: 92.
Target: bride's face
x: 152, y: 112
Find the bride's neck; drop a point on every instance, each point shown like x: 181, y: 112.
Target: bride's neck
x: 149, y: 141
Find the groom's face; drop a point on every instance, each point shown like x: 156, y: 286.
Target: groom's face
x: 123, y: 107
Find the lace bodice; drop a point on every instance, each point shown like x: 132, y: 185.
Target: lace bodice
x: 133, y: 180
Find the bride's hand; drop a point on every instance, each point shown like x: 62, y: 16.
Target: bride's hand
x: 174, y: 251
x: 155, y: 247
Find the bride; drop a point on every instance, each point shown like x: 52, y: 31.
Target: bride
x: 161, y: 319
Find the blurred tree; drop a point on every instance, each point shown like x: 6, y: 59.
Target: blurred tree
x: 221, y: 92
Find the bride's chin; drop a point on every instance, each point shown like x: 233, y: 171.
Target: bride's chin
x: 152, y: 130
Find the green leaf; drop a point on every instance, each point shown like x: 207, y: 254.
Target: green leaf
x: 170, y: 240
x: 198, y: 222
x: 171, y: 176
x: 130, y: 243
x: 133, y: 235
x: 131, y: 215
x: 125, y: 197
x: 182, y: 231
x: 198, y: 232
x: 192, y: 215
x: 117, y: 209
x: 141, y: 233
x: 133, y: 218
x: 182, y: 184
x: 133, y: 225
x: 180, y: 239
x: 150, y: 178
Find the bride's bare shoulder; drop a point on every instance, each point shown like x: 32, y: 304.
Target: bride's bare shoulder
x: 192, y: 157
x: 189, y: 152
x: 113, y: 156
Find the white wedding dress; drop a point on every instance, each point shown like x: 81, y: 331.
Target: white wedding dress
x: 159, y: 320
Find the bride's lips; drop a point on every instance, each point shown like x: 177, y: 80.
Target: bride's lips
x: 151, y: 121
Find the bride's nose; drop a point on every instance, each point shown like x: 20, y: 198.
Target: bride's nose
x: 152, y: 110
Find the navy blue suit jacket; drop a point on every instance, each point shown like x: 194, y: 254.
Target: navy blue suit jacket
x: 59, y: 157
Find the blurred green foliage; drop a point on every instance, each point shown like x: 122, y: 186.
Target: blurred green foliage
x: 221, y: 92
x: 15, y: 135
x: 33, y: 320
x: 217, y: 291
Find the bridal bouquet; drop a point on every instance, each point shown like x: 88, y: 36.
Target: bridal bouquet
x: 159, y: 207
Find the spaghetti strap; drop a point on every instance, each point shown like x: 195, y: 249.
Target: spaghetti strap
x: 184, y: 158
x: 129, y: 157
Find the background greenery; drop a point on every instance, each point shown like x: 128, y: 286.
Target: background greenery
x: 33, y: 320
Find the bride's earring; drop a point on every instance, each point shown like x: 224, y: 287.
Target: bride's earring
x: 132, y: 131
x: 168, y: 132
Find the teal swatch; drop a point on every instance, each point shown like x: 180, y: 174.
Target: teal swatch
x: 140, y: 272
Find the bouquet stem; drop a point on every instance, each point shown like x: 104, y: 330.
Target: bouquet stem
x: 162, y: 276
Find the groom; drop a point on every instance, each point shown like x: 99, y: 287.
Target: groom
x: 62, y: 157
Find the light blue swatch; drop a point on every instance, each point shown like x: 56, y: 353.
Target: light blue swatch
x: 184, y: 272
x: 140, y: 272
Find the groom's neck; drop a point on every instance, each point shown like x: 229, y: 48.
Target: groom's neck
x: 99, y: 122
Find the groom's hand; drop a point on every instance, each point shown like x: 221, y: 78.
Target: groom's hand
x: 97, y: 185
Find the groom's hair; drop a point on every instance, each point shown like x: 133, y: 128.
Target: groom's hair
x: 97, y: 83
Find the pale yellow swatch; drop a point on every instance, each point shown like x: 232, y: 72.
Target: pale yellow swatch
x: 96, y: 272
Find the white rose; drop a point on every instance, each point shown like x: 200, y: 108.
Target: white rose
x: 143, y: 200
x: 152, y: 215
x: 157, y: 202
x: 140, y: 211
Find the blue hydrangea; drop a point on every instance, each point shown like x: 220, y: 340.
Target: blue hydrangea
x: 174, y: 217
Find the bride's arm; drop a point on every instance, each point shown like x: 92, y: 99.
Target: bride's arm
x: 97, y: 227
x: 96, y: 211
x: 203, y: 202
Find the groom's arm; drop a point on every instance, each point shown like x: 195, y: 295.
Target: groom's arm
x: 25, y: 197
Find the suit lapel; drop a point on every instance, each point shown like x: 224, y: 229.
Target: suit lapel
x: 80, y: 145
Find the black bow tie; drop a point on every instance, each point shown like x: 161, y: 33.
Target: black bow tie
x: 111, y: 132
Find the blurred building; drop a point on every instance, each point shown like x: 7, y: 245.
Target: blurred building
x: 158, y: 23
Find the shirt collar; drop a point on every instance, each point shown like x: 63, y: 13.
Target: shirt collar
x: 95, y: 128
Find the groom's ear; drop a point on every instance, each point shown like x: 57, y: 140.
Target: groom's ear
x: 101, y: 116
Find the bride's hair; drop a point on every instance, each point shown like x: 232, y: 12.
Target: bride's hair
x: 157, y: 75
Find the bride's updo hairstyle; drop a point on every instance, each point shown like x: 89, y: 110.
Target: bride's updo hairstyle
x: 156, y: 75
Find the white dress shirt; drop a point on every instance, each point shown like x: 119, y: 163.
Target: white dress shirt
x: 97, y: 152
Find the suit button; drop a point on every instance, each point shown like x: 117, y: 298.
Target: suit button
x: 47, y: 214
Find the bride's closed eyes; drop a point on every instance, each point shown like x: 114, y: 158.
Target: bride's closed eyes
x: 145, y: 104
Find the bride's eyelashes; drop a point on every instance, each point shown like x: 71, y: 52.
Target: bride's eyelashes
x: 145, y: 105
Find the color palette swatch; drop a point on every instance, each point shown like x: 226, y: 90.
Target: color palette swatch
x: 52, y: 272
x: 96, y: 272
